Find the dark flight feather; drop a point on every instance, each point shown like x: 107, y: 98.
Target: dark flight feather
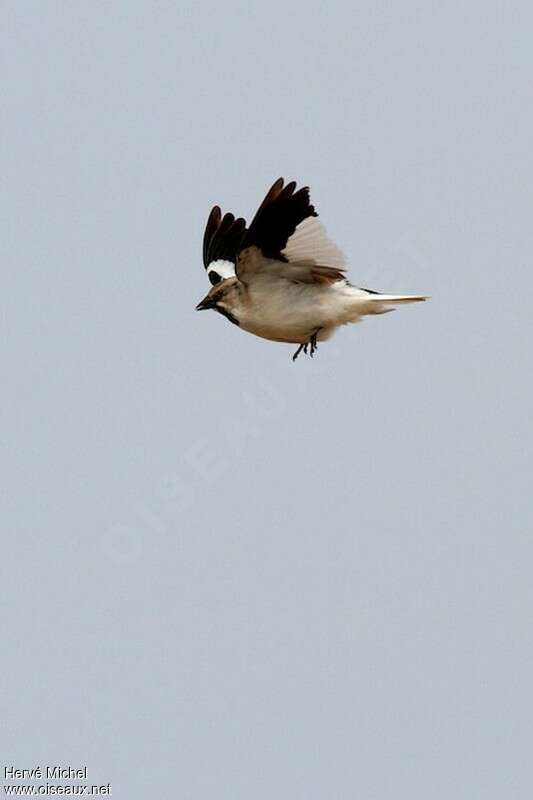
x: 277, y: 217
x: 222, y: 237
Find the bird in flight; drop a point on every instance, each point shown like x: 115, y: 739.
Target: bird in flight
x: 282, y: 278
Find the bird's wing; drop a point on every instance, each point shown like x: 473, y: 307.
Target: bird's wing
x: 285, y: 238
x: 222, y: 239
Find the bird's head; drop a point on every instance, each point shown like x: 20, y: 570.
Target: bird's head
x: 226, y: 298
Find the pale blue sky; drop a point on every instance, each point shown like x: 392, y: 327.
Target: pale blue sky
x: 225, y: 575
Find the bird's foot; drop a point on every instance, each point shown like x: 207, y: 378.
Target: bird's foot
x: 297, y: 353
x: 310, y: 344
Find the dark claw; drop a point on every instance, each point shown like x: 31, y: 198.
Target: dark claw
x: 311, y: 343
x: 297, y: 353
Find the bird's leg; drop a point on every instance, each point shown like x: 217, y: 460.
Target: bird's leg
x: 311, y: 343
x: 297, y: 353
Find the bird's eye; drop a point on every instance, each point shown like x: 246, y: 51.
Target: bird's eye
x: 214, y: 277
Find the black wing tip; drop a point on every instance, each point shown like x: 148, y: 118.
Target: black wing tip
x: 302, y: 194
x: 215, y: 215
x: 278, y: 216
x: 222, y: 237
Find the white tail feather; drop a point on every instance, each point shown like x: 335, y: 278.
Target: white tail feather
x: 393, y: 299
x: 365, y: 302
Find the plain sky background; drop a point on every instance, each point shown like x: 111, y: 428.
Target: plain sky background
x: 225, y: 575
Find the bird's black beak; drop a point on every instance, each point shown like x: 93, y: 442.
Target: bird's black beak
x: 206, y: 303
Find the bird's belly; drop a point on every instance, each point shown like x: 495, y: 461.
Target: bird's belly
x: 288, y: 317
x: 278, y: 333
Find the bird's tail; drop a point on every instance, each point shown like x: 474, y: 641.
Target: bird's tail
x: 382, y: 303
x: 396, y: 299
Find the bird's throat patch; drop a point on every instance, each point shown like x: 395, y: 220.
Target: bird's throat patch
x: 228, y: 315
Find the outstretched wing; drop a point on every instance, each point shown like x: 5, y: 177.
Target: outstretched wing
x: 285, y: 237
x: 222, y: 240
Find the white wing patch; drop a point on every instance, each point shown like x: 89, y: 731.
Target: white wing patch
x: 311, y: 244
x: 226, y: 269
